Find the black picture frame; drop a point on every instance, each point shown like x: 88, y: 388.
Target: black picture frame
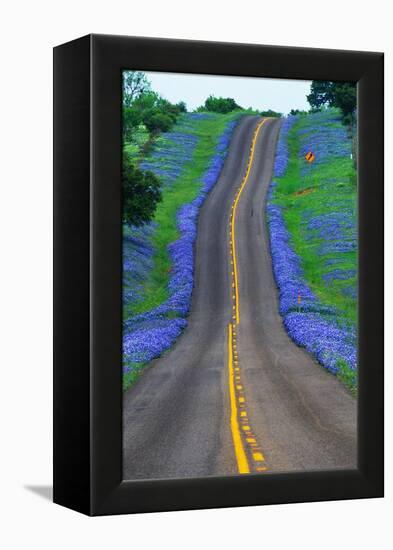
x: 88, y: 274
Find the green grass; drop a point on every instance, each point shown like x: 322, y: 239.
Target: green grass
x: 129, y: 378
x: 347, y: 376
x: 327, y: 187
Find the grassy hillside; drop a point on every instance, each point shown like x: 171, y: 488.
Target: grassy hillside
x: 317, y: 203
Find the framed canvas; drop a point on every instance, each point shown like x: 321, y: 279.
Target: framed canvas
x: 218, y: 274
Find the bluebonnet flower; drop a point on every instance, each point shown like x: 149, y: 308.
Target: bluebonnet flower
x: 173, y: 150
x: 323, y: 338
x: 339, y: 275
x: 325, y: 140
x: 137, y: 260
x: 282, y: 155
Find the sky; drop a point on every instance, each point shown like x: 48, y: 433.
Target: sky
x: 260, y: 93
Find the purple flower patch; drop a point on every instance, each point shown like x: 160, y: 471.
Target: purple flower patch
x: 282, y: 154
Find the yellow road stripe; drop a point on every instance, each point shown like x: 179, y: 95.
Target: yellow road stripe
x: 242, y: 462
x: 239, y: 426
x: 258, y: 457
x: 233, y: 240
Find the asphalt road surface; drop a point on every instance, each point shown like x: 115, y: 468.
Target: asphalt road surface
x: 235, y: 395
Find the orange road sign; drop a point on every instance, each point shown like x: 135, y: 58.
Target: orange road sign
x: 310, y: 156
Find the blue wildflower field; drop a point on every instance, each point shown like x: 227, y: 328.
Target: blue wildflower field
x: 312, y: 220
x: 158, y: 259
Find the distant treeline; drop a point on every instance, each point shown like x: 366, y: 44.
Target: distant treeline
x: 226, y: 105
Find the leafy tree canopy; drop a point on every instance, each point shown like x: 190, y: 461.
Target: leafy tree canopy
x: 334, y: 94
x: 219, y: 105
x: 297, y: 112
x: 271, y: 113
x: 135, y: 83
x: 181, y: 106
x: 147, y: 107
x: 141, y: 194
x: 157, y: 121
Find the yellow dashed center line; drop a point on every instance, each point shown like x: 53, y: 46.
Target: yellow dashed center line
x: 233, y: 239
x: 258, y: 456
x: 242, y: 462
x: 244, y: 440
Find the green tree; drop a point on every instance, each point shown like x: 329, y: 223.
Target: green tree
x: 156, y: 113
x: 142, y: 105
x: 157, y: 121
x: 344, y: 95
x: 334, y: 94
x: 294, y: 112
x: 271, y: 113
x: 135, y: 83
x: 219, y: 105
x: 321, y: 94
x: 141, y: 194
x: 182, y: 107
x: 146, y: 100
x: 166, y: 107
x: 132, y: 118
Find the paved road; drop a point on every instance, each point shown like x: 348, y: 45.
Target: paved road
x: 235, y: 394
